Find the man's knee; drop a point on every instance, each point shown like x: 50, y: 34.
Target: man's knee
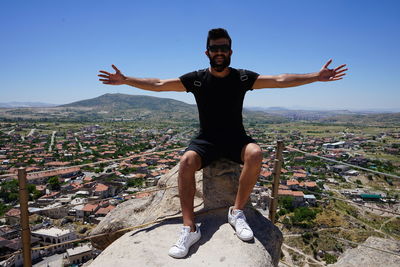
x: 190, y: 161
x: 253, y: 154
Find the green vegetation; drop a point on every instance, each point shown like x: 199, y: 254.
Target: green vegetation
x: 304, y: 217
x: 135, y: 182
x: 329, y: 258
x: 9, y: 191
x: 4, y: 208
x: 54, y: 183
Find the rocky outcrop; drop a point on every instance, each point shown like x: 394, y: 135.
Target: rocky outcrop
x: 367, y: 257
x: 218, y: 245
x: 158, y: 205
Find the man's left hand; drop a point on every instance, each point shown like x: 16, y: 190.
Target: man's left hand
x: 328, y: 75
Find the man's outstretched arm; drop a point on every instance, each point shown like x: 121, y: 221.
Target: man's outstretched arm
x: 151, y: 84
x: 290, y: 80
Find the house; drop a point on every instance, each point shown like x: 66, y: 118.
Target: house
x: 340, y: 144
x: 297, y: 175
x: 102, y: 212
x: 54, y: 211
x: 298, y: 196
x: 352, y: 173
x: 101, y: 190
x: 9, y: 232
x: 310, y: 199
x: 8, y: 246
x: 340, y: 168
x: 41, y: 177
x: 308, y: 185
x: 48, y: 197
x: 52, y: 236
x: 13, y: 216
x: 359, y: 161
x: 79, y: 255
x: 292, y: 184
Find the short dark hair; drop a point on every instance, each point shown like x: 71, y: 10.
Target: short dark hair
x: 217, y: 33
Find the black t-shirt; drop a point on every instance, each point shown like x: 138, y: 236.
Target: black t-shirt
x: 220, y: 101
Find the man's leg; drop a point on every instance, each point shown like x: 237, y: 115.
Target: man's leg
x: 252, y: 157
x: 190, y: 162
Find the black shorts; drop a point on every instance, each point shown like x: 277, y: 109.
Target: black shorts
x: 212, y: 150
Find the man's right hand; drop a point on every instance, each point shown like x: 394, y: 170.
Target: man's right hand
x: 113, y: 79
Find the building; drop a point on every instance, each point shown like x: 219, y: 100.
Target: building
x: 12, y: 216
x: 340, y: 168
x: 79, y: 255
x: 334, y: 145
x: 310, y: 200
x: 371, y: 197
x: 52, y: 236
x: 292, y: 184
x: 54, y: 211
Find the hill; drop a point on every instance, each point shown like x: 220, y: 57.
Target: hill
x: 123, y: 102
x: 114, y: 107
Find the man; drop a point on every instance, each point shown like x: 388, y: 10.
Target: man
x: 219, y: 92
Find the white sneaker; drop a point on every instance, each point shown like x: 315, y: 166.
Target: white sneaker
x: 185, y: 241
x: 237, y: 219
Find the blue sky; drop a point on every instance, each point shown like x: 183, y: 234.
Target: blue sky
x: 51, y: 51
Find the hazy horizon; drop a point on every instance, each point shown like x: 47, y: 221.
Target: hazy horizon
x: 316, y: 108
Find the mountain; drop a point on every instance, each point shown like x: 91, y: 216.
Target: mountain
x: 25, y: 104
x: 364, y: 119
x: 266, y: 109
x: 148, y: 109
x: 123, y: 101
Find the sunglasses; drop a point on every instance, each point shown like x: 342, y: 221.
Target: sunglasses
x: 215, y: 48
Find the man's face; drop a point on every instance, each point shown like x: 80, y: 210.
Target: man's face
x: 219, y: 53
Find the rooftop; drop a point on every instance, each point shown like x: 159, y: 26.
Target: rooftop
x: 52, y: 232
x: 78, y: 250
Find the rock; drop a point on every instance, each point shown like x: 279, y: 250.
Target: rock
x: 133, y: 212
x: 367, y: 257
x: 218, y: 246
x: 219, y: 184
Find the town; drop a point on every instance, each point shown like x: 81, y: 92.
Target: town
x: 79, y: 172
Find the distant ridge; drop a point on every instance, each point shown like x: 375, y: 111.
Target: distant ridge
x: 25, y: 105
x: 125, y: 101
x: 117, y: 107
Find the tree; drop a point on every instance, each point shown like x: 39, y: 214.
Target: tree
x: 286, y: 202
x: 135, y: 182
x: 9, y: 191
x: 54, y: 183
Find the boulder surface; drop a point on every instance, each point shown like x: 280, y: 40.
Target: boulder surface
x: 149, y: 246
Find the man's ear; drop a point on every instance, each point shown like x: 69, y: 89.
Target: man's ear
x: 230, y: 52
x: 207, y: 54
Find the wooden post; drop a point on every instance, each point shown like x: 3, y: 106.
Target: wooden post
x: 275, y: 186
x: 26, y: 233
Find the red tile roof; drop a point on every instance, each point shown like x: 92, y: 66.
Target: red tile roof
x: 57, y: 163
x: 14, y: 213
x: 299, y: 175
x: 105, y: 210
x: 100, y: 187
x: 292, y: 182
x: 90, y: 207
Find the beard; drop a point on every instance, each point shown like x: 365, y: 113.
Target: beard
x: 219, y: 67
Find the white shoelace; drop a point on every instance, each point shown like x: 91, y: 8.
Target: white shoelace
x: 182, y: 239
x: 241, y: 222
